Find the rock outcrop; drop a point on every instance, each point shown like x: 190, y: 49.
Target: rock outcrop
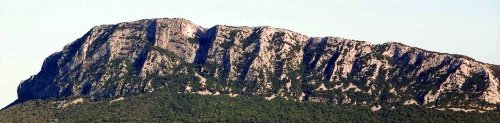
x: 179, y: 56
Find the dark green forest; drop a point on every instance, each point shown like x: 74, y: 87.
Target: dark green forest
x: 168, y: 107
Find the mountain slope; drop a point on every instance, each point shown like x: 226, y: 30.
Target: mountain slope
x: 181, y: 57
x: 163, y: 106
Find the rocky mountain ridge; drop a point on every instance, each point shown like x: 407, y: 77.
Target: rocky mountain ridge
x: 177, y: 55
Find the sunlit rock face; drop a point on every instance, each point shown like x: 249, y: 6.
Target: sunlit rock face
x: 179, y: 56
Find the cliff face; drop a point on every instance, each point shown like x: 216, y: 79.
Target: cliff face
x: 179, y: 56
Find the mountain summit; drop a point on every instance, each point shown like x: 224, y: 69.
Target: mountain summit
x: 178, y: 56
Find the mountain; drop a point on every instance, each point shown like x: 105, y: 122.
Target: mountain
x: 178, y: 56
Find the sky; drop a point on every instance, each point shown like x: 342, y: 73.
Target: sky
x: 31, y: 30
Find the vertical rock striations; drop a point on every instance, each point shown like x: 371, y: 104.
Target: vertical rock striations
x: 179, y: 56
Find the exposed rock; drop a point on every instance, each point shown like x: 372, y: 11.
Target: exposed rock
x: 376, y: 108
x: 205, y: 92
x: 116, y: 100
x: 64, y: 103
x: 270, y: 97
x: 179, y: 56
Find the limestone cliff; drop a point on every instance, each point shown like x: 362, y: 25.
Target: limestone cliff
x: 180, y: 56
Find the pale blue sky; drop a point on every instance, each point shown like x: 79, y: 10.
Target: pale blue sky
x: 31, y: 30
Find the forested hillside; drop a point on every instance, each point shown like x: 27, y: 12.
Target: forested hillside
x: 166, y: 107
